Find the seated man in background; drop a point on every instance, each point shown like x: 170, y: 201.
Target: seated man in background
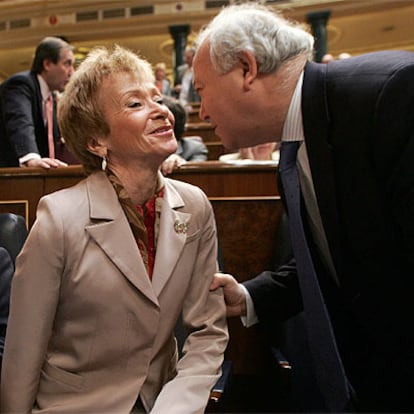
x: 189, y: 148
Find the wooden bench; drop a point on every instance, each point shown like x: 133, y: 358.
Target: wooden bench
x: 202, y: 129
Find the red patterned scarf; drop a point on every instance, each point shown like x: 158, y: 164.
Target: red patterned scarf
x: 143, y: 220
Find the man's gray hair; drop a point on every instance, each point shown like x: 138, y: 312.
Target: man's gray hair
x: 258, y: 29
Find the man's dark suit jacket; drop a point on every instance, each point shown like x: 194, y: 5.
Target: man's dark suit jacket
x: 358, y: 118
x: 6, y: 274
x: 22, y: 128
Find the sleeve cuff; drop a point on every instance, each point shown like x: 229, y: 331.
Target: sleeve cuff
x: 28, y: 157
x: 251, y: 318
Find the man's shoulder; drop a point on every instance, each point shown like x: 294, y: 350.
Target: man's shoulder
x: 368, y: 70
x: 26, y: 77
x: 188, y: 192
x: 378, y: 63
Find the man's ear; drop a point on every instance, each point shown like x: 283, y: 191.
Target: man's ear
x: 46, y: 64
x: 250, y: 68
x: 96, y: 147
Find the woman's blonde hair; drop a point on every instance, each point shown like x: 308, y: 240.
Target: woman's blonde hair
x: 80, y: 114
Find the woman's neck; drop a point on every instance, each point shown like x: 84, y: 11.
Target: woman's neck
x: 140, y: 185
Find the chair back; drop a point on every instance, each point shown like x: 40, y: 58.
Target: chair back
x: 13, y: 233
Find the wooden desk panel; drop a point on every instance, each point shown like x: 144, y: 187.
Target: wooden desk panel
x: 215, y: 178
x: 30, y: 184
x: 215, y: 149
x: 219, y: 179
x: 247, y: 230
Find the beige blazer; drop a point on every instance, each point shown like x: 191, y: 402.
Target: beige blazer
x: 89, y: 332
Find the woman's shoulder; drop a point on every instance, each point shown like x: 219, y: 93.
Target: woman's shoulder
x: 188, y: 192
x: 182, y: 186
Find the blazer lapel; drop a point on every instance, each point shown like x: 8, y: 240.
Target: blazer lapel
x: 171, y: 238
x: 316, y: 129
x: 113, y: 234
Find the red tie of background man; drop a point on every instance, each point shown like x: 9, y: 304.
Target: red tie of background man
x: 49, y: 116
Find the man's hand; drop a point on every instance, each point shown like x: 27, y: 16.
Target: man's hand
x: 234, y: 294
x: 46, y: 163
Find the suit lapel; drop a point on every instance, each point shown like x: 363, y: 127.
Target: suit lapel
x: 113, y: 234
x: 316, y: 129
x: 171, y: 239
x: 39, y: 112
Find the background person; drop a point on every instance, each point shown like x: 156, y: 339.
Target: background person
x: 161, y: 81
x: 23, y: 108
x: 111, y: 263
x: 188, y: 148
x: 268, y: 151
x: 354, y: 117
x: 184, y: 87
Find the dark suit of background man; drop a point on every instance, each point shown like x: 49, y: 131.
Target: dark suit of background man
x: 23, y: 96
x: 257, y: 82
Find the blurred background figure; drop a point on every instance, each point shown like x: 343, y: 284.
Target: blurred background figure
x: 161, y: 79
x: 329, y: 58
x: 344, y: 55
x: 261, y: 152
x: 189, y: 148
x: 184, y: 87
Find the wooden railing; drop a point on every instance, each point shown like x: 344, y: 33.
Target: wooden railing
x: 21, y: 188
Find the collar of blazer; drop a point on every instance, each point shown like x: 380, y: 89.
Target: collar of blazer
x: 113, y: 235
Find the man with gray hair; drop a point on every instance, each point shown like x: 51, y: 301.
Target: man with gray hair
x: 29, y: 134
x: 353, y: 240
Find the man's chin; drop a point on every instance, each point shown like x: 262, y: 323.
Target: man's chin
x: 231, y: 143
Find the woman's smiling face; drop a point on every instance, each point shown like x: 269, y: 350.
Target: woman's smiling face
x: 141, y: 126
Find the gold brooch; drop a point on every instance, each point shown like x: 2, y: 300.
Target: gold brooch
x: 180, y: 227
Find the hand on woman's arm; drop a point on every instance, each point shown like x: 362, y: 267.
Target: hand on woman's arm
x: 234, y: 294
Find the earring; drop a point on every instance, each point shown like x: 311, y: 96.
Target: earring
x: 104, y: 163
